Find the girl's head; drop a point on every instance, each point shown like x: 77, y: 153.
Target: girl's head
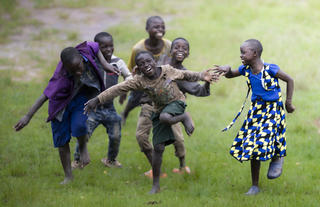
x: 179, y: 49
x: 72, y: 61
x: 155, y: 27
x: 146, y: 63
x: 250, y: 50
x: 105, y: 42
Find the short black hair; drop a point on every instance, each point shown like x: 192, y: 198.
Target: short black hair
x: 150, y: 19
x: 68, y: 54
x: 179, y: 38
x: 141, y: 53
x: 256, y: 45
x: 100, y: 35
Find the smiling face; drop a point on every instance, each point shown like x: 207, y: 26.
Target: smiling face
x: 156, y: 28
x: 247, y: 53
x: 146, y: 64
x: 179, y: 50
x: 106, y: 47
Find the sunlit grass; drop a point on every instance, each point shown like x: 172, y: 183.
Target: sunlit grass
x: 30, y: 170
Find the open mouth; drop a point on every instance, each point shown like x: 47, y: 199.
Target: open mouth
x: 180, y: 55
x: 148, y: 69
x: 159, y: 34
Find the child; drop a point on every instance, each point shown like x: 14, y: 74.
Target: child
x: 178, y: 52
x: 158, y: 46
x: 155, y: 44
x: 106, y: 113
x: 262, y: 135
x: 74, y: 81
x: 159, y: 84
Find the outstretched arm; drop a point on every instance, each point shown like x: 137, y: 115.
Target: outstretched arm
x: 290, y: 86
x: 26, y: 118
x: 226, y: 71
x: 111, y: 93
x: 106, y: 66
x: 194, y: 88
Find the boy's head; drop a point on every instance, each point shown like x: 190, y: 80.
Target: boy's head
x: 105, y: 42
x: 179, y: 49
x: 250, y: 49
x: 146, y: 63
x: 72, y: 61
x: 155, y: 27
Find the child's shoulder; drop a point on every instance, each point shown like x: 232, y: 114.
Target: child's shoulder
x: 271, y: 65
x: 167, y: 67
x: 139, y: 45
x: 272, y: 68
x: 115, y: 59
x: 166, y: 42
x: 243, y: 69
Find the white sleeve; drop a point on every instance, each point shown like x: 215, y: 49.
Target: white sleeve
x: 124, y: 69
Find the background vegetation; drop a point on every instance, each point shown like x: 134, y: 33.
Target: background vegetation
x: 30, y: 169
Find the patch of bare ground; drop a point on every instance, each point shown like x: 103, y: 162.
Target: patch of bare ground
x: 38, y: 45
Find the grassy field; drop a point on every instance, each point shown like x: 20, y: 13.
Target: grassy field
x: 30, y: 170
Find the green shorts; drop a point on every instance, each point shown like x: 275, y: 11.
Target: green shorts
x: 162, y: 132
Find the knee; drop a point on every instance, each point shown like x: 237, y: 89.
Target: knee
x: 159, y: 148
x: 80, y: 128
x: 144, y: 143
x: 164, y: 117
x: 116, y: 132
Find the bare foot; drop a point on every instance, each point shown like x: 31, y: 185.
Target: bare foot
x: 154, y: 190
x: 188, y: 124
x: 254, y: 190
x: 84, y: 159
x: 66, y: 180
x: 83, y: 164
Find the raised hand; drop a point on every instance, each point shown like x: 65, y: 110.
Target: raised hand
x: 222, y: 69
x: 210, y: 75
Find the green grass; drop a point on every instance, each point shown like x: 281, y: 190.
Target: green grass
x: 30, y: 170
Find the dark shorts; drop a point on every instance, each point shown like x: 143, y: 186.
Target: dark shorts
x: 162, y: 132
x: 73, y: 122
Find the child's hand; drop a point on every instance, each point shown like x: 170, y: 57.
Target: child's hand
x: 22, y: 123
x: 289, y: 107
x: 91, y: 105
x: 135, y: 70
x: 222, y: 69
x: 122, y: 98
x: 116, y: 70
x: 210, y: 76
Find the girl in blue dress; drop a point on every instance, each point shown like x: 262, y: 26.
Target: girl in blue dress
x: 262, y: 135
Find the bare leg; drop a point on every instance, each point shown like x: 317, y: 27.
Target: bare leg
x: 185, y: 118
x: 182, y: 162
x: 84, y: 154
x: 255, y: 169
x: 64, y: 153
x: 156, y: 167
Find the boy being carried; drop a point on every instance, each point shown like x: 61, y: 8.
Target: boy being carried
x: 106, y: 114
x: 75, y: 80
